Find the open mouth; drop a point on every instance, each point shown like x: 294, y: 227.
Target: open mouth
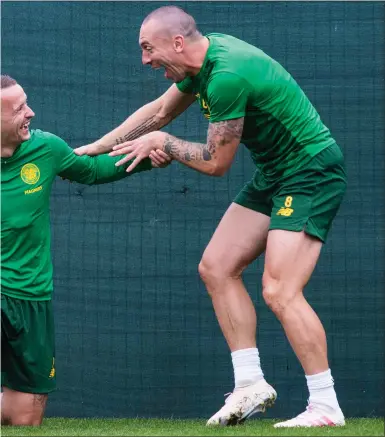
x: 166, y: 73
x: 25, y: 127
x: 159, y: 67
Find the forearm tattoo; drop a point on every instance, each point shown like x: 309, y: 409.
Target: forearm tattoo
x: 219, y: 135
x: 145, y: 127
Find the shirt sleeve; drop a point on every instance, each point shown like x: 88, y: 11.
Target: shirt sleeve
x: 186, y: 85
x: 227, y: 96
x: 90, y: 170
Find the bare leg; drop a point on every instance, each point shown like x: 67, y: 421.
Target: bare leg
x: 20, y: 409
x: 289, y: 263
x: 239, y: 239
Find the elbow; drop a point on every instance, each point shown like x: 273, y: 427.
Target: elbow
x: 218, y: 170
x: 162, y: 117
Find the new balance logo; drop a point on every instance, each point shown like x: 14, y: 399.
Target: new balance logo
x: 287, y: 212
x: 52, y: 372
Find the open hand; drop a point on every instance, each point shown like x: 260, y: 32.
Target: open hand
x: 138, y: 149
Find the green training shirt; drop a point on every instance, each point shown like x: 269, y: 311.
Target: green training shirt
x: 26, y: 182
x: 282, y: 129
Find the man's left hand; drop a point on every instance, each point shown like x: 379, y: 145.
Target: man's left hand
x: 139, y: 149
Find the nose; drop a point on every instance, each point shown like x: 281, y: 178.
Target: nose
x: 146, y: 58
x: 30, y: 113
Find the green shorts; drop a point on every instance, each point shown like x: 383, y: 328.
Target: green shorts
x: 27, y: 345
x: 306, y: 200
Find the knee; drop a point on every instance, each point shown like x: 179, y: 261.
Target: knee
x: 210, y: 272
x: 22, y: 409
x: 277, y: 293
x: 214, y: 272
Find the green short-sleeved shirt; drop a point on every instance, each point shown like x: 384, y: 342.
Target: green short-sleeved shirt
x: 26, y: 182
x: 282, y: 129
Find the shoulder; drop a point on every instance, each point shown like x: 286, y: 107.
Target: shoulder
x: 49, y: 140
x: 228, y: 56
x: 44, y: 136
x: 226, y: 82
x: 234, y: 55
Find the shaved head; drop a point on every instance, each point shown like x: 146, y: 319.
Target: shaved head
x: 173, y: 21
x: 169, y: 39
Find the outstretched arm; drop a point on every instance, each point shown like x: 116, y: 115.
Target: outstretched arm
x: 213, y: 158
x: 150, y: 117
x: 92, y: 169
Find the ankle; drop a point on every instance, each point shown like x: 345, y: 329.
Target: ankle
x: 321, y: 390
x: 247, y: 367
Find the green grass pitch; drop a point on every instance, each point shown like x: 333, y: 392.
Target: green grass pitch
x: 178, y: 427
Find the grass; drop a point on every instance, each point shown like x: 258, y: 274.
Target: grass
x: 176, y: 427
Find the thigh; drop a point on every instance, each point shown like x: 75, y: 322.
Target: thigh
x: 309, y: 199
x: 291, y: 258
x: 239, y: 238
x: 28, y: 345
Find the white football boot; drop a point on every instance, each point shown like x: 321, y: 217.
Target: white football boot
x: 243, y: 403
x: 315, y: 416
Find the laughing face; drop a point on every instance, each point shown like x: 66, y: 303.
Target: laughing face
x: 161, y: 50
x: 16, y: 116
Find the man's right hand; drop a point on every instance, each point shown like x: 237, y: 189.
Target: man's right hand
x: 93, y: 149
x: 160, y: 159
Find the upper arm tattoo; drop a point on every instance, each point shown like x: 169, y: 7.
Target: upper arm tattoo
x: 219, y: 135
x: 224, y: 132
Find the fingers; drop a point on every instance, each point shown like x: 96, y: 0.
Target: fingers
x: 121, y: 151
x: 134, y: 163
x: 121, y: 146
x: 156, y: 160
x: 160, y: 158
x: 163, y: 155
x: 91, y: 149
x: 126, y: 159
x: 83, y: 150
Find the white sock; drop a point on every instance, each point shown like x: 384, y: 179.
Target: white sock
x: 247, y: 367
x: 321, y: 390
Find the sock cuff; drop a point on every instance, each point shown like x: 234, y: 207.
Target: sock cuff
x: 245, y: 352
x: 317, y: 376
x: 320, y: 380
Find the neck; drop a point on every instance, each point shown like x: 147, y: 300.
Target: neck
x: 197, y: 56
x: 7, y: 150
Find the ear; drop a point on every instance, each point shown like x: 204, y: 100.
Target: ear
x: 178, y: 43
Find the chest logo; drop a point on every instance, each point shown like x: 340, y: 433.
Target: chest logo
x: 30, y: 174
